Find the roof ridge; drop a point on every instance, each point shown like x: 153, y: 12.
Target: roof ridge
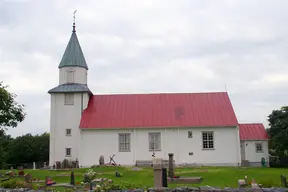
x: 172, y: 93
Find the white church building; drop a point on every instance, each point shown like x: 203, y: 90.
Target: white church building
x: 199, y: 128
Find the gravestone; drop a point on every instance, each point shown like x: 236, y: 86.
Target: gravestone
x: 164, y: 177
x: 170, y: 166
x: 58, y: 165
x: 157, y: 166
x: 72, y: 178
x: 28, y: 178
x: 283, y: 181
x: 34, y: 165
x: 21, y: 171
x: 49, y: 181
x: 101, y: 160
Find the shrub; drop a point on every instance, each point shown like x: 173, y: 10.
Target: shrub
x: 89, y: 176
x: 268, y: 183
x: 12, y: 184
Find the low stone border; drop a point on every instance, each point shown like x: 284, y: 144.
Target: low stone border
x: 182, y: 189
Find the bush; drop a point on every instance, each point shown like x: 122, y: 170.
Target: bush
x: 268, y: 183
x: 89, y: 176
x: 12, y: 184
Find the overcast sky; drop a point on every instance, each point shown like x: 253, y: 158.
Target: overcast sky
x: 137, y: 46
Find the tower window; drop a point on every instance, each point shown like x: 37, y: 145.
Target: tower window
x: 68, y: 132
x: 70, y: 76
x: 68, y: 152
x: 69, y: 99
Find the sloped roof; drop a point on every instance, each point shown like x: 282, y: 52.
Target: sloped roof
x: 253, y: 131
x: 71, y: 88
x: 73, y: 55
x: 159, y: 110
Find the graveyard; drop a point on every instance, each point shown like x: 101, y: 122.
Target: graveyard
x: 143, y: 177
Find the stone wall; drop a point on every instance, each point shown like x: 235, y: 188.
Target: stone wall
x: 183, y: 189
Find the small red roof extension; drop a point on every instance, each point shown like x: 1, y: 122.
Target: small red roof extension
x: 159, y: 110
x: 253, y: 131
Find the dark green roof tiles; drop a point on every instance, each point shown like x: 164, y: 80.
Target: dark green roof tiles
x: 71, y: 88
x: 73, y: 55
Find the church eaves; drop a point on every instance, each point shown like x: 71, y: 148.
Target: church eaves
x: 73, y: 55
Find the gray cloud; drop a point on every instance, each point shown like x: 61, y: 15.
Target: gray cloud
x: 149, y: 46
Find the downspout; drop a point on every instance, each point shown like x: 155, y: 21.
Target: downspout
x: 164, y: 147
x: 81, y: 104
x: 268, y: 159
x: 134, y: 146
x: 238, y: 146
x: 54, y: 128
x: 177, y: 146
x: 80, y: 131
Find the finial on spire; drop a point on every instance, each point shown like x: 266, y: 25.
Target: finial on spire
x: 74, y: 26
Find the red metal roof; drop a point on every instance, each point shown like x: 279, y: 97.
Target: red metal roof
x: 253, y: 131
x: 159, y: 110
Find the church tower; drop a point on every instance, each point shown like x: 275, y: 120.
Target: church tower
x: 68, y: 100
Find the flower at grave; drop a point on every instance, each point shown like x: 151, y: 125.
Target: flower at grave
x: 89, y: 176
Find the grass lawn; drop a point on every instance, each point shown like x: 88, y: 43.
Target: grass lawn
x: 212, y: 176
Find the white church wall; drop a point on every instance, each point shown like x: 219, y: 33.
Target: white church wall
x: 80, y: 75
x: 252, y: 155
x: 97, y: 142
x: 65, y: 117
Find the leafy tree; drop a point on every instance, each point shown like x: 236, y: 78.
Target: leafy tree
x: 5, y: 145
x: 278, y: 131
x: 28, y: 149
x: 11, y: 113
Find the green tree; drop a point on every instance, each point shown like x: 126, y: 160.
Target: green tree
x: 11, y: 113
x: 28, y: 149
x: 278, y: 131
x: 5, y: 148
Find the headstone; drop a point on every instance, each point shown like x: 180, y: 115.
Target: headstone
x: 49, y: 181
x: 241, y: 183
x: 164, y: 177
x: 58, y: 165
x: 28, y: 178
x: 254, y: 184
x: 283, y: 181
x: 72, y: 178
x: 34, y: 165
x: 170, y: 166
x: 65, y: 163
x: 157, y: 166
x: 101, y: 160
x: 21, y: 171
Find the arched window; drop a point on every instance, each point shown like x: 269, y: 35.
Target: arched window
x: 70, y: 76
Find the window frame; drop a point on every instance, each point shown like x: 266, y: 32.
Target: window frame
x: 66, y: 101
x: 68, y: 130
x: 70, y: 77
x: 189, y: 134
x: 126, y: 144
x: 208, y: 140
x: 259, y: 151
x: 157, y: 135
x: 66, y: 150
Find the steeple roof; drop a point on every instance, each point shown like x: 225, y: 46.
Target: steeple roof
x: 73, y: 55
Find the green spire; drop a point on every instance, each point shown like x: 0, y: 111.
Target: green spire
x: 73, y: 55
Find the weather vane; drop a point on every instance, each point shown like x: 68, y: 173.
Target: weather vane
x: 74, y: 30
x: 74, y: 16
